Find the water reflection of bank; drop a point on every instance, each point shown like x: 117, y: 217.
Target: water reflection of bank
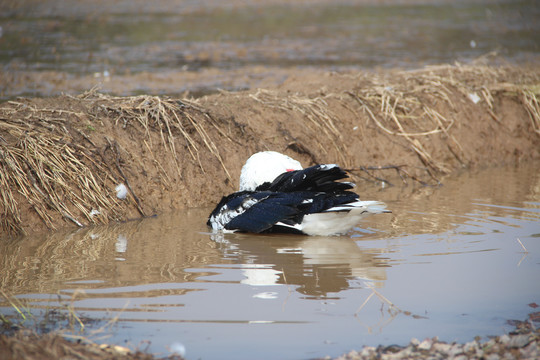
x: 424, y: 270
x: 166, y: 249
x: 117, y: 255
x: 176, y: 248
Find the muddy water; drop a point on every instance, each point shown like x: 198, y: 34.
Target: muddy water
x: 65, y: 42
x: 447, y: 262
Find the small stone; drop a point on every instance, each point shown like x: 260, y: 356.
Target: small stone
x: 530, y: 351
x: 425, y: 345
x: 405, y: 353
x: 415, y: 342
x: 391, y: 356
x: 353, y: 355
x: 442, y: 348
x: 519, y: 341
x: 508, y: 356
x: 455, y: 350
x: 504, y: 339
x: 392, y: 349
x: 367, y: 351
x: 489, y: 344
x: 493, y: 357
x: 470, y: 347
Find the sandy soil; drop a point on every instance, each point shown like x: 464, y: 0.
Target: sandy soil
x: 64, y: 156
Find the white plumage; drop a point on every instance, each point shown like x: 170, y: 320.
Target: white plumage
x: 263, y: 167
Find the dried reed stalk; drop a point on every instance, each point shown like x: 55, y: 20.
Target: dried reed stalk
x: 50, y: 171
x: 530, y: 100
x: 173, y: 120
x: 316, y: 110
x: 41, y: 161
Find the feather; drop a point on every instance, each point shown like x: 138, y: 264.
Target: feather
x: 310, y: 201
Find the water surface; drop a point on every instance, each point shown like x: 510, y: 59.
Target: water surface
x: 446, y: 262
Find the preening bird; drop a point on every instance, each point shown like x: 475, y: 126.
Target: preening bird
x: 277, y: 195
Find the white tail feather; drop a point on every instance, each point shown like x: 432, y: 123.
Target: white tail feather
x: 340, y: 219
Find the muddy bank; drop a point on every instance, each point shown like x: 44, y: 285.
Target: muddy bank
x: 521, y: 343
x: 25, y: 344
x: 63, y: 157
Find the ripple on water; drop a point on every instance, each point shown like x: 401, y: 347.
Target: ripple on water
x: 446, y: 262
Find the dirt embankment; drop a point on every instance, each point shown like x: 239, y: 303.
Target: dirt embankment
x: 62, y: 158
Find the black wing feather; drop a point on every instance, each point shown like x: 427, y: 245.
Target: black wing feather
x: 286, y: 200
x: 264, y: 214
x: 321, y: 178
x: 265, y: 209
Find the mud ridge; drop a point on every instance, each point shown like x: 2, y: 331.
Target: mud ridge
x: 62, y: 158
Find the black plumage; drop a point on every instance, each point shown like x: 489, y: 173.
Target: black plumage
x: 282, y: 204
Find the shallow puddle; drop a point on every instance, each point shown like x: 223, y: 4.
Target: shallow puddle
x: 454, y: 261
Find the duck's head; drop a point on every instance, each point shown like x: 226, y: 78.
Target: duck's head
x: 264, y: 167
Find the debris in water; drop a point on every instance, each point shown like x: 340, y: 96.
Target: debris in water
x: 178, y: 348
x: 121, y: 244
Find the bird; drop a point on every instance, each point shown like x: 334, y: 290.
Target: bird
x: 278, y: 195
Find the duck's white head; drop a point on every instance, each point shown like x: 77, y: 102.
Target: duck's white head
x: 264, y: 167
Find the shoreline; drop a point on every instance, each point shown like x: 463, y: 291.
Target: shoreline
x: 521, y: 343
x: 400, y: 126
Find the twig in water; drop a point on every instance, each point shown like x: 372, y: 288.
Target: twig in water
x: 384, y: 299
x: 523, y: 246
x: 17, y: 305
x: 364, y: 304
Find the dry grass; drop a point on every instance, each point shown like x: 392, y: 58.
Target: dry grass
x: 405, y: 106
x: 400, y: 109
x: 172, y: 118
x: 51, y: 171
x: 20, y: 339
x: 43, y: 160
x: 321, y: 120
x: 27, y: 344
x: 530, y: 100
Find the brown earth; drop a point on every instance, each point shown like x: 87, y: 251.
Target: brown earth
x: 63, y: 157
x: 25, y: 344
